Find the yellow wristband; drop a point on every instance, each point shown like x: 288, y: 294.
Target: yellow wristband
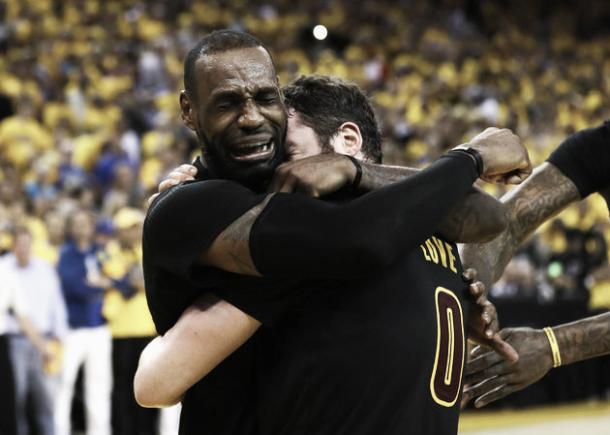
x: 554, y: 346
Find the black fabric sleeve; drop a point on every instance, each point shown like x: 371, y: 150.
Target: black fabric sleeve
x: 186, y: 219
x: 297, y: 236
x: 584, y: 158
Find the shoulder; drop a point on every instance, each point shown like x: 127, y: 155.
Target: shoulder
x: 192, y: 201
x: 193, y: 190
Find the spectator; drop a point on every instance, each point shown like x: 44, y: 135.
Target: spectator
x: 12, y: 305
x: 44, y: 307
x: 130, y: 323
x: 88, y: 340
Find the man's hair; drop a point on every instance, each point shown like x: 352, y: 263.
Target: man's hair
x: 21, y: 230
x: 325, y: 103
x: 216, y: 42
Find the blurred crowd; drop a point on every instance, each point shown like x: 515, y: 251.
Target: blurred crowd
x: 89, y: 124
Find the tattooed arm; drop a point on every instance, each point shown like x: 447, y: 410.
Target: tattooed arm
x: 544, y: 194
x: 491, y: 377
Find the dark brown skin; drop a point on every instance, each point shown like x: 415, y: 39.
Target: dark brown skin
x: 540, y: 197
x: 491, y: 377
x: 237, y: 102
x: 488, y: 375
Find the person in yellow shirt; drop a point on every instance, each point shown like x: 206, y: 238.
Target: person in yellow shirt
x: 130, y: 323
x: 22, y: 136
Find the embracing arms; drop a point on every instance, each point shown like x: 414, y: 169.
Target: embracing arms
x: 206, y: 333
x: 340, y: 240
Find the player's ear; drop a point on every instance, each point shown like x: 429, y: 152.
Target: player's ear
x: 186, y: 109
x: 348, y: 139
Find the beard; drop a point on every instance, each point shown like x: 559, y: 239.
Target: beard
x: 255, y: 175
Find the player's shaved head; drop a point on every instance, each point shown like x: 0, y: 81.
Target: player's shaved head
x: 216, y: 42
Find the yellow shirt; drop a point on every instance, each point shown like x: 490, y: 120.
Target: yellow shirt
x: 126, y: 317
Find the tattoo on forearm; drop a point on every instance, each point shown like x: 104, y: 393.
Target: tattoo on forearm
x: 543, y: 195
x: 584, y: 339
x: 236, y: 238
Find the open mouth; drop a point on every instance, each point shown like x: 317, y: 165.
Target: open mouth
x: 255, y: 151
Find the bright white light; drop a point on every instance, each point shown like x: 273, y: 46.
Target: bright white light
x: 320, y: 32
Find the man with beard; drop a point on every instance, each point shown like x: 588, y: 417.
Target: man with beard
x: 274, y: 256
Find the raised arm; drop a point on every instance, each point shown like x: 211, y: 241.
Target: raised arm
x: 479, y: 217
x: 577, y: 168
x: 540, y: 197
x: 206, y: 333
x: 293, y: 235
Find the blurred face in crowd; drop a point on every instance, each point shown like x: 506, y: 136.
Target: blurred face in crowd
x: 130, y: 237
x: 22, y: 248
x: 123, y: 178
x: 238, y: 114
x: 82, y: 227
x: 55, y: 227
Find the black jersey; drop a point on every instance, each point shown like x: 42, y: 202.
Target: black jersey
x: 363, y: 323
x: 177, y: 229
x: 381, y: 355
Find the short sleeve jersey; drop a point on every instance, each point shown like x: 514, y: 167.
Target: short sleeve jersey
x: 584, y: 158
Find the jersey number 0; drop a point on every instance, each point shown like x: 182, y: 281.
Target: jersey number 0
x: 446, y: 379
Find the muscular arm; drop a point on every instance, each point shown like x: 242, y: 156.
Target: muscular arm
x: 583, y: 339
x: 478, y: 218
x: 206, y: 333
x: 490, y: 377
x: 299, y: 236
x: 544, y: 194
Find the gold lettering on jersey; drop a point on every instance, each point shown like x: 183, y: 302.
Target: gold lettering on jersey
x: 426, y: 256
x: 441, y: 250
x: 432, y: 251
x: 436, y: 250
x: 451, y: 258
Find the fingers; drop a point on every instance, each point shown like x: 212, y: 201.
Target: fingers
x: 279, y: 178
x: 167, y: 183
x: 485, y: 387
x: 503, y: 368
x: 504, y: 349
x: 289, y: 185
x: 483, y: 362
x: 478, y: 293
x: 186, y: 169
x: 488, y: 315
x: 477, y: 351
x: 152, y: 199
x: 470, y: 274
x: 495, y: 394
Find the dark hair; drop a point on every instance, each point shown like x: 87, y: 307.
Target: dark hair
x: 325, y: 103
x: 215, y: 42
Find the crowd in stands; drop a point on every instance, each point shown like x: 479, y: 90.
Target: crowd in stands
x: 90, y: 123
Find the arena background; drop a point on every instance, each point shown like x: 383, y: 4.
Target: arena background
x: 89, y: 117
